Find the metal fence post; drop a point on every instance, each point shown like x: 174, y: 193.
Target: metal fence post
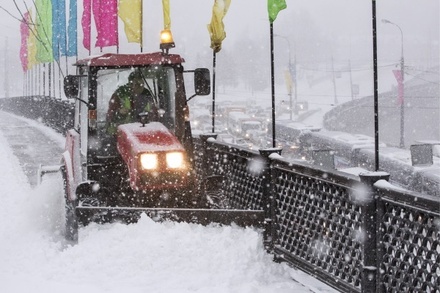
x: 368, y: 200
x: 268, y: 199
x: 205, y: 152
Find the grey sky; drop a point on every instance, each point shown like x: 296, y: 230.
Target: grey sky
x: 345, y: 25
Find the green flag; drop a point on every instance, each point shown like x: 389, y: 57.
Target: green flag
x: 44, y: 30
x: 275, y: 6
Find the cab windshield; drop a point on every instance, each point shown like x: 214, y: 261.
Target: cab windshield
x: 116, y: 98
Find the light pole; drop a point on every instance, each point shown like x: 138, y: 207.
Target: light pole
x: 402, y: 101
x: 294, y: 79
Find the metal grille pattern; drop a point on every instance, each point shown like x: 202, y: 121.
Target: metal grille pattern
x: 198, y: 157
x: 318, y: 226
x: 242, y: 185
x: 411, y: 248
x: 242, y: 171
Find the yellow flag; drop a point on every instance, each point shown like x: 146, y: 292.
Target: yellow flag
x: 130, y: 12
x: 32, y: 43
x: 166, y: 14
x: 216, y: 27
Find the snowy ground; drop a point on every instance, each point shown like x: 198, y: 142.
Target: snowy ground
x: 142, y: 257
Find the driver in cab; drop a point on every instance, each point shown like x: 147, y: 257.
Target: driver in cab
x: 128, y: 101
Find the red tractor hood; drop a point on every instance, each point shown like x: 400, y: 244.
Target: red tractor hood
x: 134, y: 139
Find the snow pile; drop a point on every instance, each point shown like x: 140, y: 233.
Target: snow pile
x: 142, y: 257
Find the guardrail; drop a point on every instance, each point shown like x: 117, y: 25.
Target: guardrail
x: 357, y: 234
x: 55, y: 113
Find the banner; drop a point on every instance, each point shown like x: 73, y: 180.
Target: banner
x: 275, y: 6
x: 32, y: 43
x: 72, y: 36
x: 59, y: 38
x: 216, y: 27
x: 44, y: 30
x: 24, y: 31
x: 130, y: 12
x: 399, y: 77
x: 166, y: 14
x: 105, y: 13
x: 86, y: 23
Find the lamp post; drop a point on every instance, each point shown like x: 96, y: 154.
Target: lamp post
x: 294, y: 107
x: 402, y: 102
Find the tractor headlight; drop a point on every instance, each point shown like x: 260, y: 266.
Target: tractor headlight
x: 149, y: 161
x: 175, y: 160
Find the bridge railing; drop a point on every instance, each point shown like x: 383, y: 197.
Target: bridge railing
x: 357, y: 234
x: 408, y: 254
x: 55, y: 113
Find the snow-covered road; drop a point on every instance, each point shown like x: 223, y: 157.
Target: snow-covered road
x: 142, y: 257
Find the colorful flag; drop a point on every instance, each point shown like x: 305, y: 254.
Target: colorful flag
x: 24, y: 31
x: 275, y: 6
x: 216, y: 27
x: 166, y: 14
x: 44, y: 30
x: 130, y: 12
x: 86, y: 23
x: 399, y: 77
x: 59, y: 38
x: 32, y: 43
x: 72, y: 44
x: 105, y: 13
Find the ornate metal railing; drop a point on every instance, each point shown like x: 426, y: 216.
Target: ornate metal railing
x: 357, y: 234
x: 409, y: 243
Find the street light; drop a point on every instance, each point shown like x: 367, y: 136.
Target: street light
x: 294, y: 79
x: 402, y: 102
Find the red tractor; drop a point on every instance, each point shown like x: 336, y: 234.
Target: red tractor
x: 131, y: 151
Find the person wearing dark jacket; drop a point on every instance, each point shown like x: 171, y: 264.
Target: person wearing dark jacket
x: 128, y: 101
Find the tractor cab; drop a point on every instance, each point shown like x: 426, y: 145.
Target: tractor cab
x: 131, y: 118
x: 101, y: 78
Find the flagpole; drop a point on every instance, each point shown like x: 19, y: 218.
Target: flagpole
x: 272, y: 81
x: 90, y: 29
x: 376, y: 93
x: 214, y: 57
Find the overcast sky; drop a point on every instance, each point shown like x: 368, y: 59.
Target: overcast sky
x: 341, y: 27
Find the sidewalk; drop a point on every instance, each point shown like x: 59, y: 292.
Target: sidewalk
x: 31, y: 146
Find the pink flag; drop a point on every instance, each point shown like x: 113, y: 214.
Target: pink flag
x: 24, y: 30
x: 105, y: 13
x: 86, y: 23
x: 399, y: 78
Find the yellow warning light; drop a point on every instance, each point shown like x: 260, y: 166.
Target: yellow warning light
x: 166, y: 40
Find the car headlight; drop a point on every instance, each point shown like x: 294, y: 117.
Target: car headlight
x: 149, y: 161
x: 175, y: 160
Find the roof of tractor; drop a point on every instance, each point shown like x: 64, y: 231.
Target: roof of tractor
x: 127, y: 60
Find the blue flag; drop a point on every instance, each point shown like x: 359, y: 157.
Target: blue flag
x: 72, y: 47
x: 59, y: 28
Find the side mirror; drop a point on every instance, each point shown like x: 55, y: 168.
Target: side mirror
x: 71, y: 86
x: 202, y: 81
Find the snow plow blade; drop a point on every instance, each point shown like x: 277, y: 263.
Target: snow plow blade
x: 243, y: 218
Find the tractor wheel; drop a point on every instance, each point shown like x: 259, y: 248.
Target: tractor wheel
x: 70, y: 224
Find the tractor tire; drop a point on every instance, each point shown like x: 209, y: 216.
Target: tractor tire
x: 70, y: 224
